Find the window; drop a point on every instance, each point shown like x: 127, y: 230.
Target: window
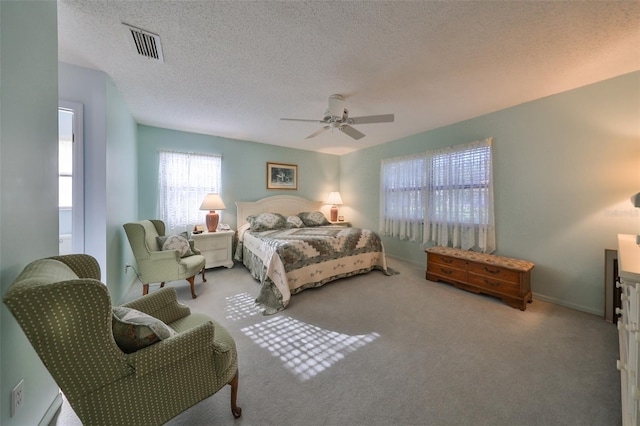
x: 185, y: 179
x: 443, y: 196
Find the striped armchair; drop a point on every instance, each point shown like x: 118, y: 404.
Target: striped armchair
x: 66, y: 313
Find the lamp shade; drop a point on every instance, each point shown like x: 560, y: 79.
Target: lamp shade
x: 334, y: 199
x: 212, y: 202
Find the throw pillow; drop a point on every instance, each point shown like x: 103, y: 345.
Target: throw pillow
x: 294, y: 222
x: 178, y: 242
x: 133, y: 330
x: 313, y: 219
x: 267, y: 221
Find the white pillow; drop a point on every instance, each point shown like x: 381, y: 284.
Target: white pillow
x: 294, y: 222
x: 177, y: 242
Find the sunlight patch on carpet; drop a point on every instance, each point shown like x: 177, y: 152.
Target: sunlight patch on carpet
x: 304, y: 349
x: 241, y: 306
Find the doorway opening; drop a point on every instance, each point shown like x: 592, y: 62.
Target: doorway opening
x: 70, y: 179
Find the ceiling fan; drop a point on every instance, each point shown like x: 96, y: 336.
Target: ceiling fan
x: 337, y: 117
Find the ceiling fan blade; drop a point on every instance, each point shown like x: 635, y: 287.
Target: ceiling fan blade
x: 316, y: 133
x: 351, y: 131
x: 369, y: 119
x: 302, y: 119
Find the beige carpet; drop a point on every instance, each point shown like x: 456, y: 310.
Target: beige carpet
x: 400, y: 350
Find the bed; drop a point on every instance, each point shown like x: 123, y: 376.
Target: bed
x: 288, y: 258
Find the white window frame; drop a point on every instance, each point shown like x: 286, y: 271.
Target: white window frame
x: 185, y: 178
x: 441, y: 196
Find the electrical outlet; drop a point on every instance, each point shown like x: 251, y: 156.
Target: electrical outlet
x: 17, y: 398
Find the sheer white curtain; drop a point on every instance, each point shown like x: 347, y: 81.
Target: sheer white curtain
x: 443, y: 196
x: 185, y: 179
x: 403, y: 196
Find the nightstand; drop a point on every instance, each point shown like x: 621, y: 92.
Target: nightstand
x: 215, y: 247
x: 343, y: 223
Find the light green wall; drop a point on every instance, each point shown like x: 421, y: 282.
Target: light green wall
x: 110, y: 171
x: 122, y: 190
x: 88, y: 87
x: 243, y: 168
x: 28, y: 181
x: 564, y: 169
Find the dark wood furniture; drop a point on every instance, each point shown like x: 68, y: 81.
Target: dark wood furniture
x: 503, y: 277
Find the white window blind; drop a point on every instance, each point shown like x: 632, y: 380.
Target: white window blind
x: 442, y: 196
x: 185, y: 179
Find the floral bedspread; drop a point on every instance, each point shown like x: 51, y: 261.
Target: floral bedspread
x: 287, y: 261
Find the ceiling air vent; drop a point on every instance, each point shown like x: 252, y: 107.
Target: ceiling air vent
x: 147, y: 44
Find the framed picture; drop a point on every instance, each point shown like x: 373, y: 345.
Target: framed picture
x: 282, y: 176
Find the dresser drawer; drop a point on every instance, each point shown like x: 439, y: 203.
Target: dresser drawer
x: 218, y: 255
x: 494, y: 272
x: 494, y: 284
x: 450, y: 262
x: 216, y: 248
x: 212, y: 243
x: 447, y: 272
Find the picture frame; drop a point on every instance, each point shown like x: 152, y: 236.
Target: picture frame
x: 282, y: 176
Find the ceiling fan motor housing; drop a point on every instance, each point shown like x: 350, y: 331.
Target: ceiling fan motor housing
x: 329, y: 117
x: 336, y: 105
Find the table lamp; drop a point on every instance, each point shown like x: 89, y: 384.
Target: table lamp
x: 335, y: 200
x: 212, y: 202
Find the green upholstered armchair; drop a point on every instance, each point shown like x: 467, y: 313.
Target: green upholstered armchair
x: 66, y: 313
x: 157, y: 265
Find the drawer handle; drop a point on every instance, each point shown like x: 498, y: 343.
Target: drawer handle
x: 492, y: 284
x: 445, y: 260
x: 495, y: 271
x: 446, y: 271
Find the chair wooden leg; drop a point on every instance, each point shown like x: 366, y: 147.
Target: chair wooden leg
x: 204, y: 280
x: 193, y: 286
x: 237, y: 411
x: 162, y: 284
x: 145, y: 289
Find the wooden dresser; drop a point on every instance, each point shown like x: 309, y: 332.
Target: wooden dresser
x: 503, y: 277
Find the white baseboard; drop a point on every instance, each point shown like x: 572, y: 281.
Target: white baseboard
x: 52, y: 412
x: 581, y: 308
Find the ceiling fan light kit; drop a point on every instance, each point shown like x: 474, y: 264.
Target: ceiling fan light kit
x: 337, y: 117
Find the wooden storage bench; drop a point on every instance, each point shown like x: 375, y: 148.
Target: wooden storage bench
x: 503, y: 277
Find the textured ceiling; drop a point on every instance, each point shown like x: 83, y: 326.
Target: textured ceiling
x: 234, y: 68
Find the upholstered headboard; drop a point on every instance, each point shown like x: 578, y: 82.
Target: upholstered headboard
x: 286, y: 205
